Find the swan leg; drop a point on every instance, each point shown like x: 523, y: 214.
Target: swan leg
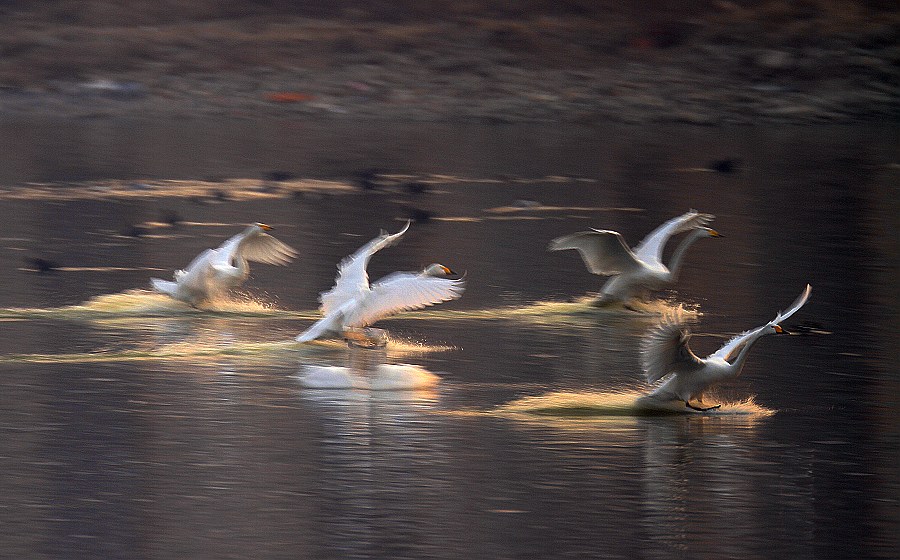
x: 701, y: 409
x: 365, y: 337
x: 603, y: 300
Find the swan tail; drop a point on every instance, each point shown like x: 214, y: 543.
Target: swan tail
x: 164, y: 286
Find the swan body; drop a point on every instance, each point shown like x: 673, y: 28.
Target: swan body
x: 216, y: 270
x: 353, y: 304
x: 635, y: 271
x: 665, y: 352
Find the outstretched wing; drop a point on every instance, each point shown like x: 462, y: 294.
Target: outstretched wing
x: 665, y: 350
x: 200, y: 262
x: 650, y: 249
x: 794, y: 307
x: 260, y: 247
x: 352, y: 278
x: 733, y: 345
x: 604, y: 251
x: 403, y: 291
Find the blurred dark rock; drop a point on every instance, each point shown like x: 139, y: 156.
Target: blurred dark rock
x: 416, y: 187
x: 419, y: 215
x: 366, y: 179
x: 170, y: 217
x: 723, y: 165
x: 279, y: 176
x: 135, y: 231
x: 41, y: 265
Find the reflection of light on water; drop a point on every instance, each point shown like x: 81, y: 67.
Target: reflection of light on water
x: 97, y: 269
x: 550, y: 312
x: 163, y: 339
x: 545, y: 208
x: 618, y: 403
x: 258, y: 352
x: 394, y: 347
x: 383, y: 377
x: 233, y: 189
x: 146, y: 303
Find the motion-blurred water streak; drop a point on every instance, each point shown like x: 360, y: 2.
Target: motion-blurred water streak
x: 132, y: 426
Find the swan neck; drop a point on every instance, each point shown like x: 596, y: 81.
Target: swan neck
x: 678, y: 255
x: 739, y: 360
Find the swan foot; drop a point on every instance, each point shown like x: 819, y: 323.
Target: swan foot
x: 603, y: 301
x: 701, y: 409
x: 365, y: 337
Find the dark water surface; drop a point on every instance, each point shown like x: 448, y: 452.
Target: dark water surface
x: 135, y: 428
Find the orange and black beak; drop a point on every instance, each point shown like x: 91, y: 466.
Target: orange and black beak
x: 779, y: 330
x: 265, y: 227
x: 714, y: 233
x: 447, y: 271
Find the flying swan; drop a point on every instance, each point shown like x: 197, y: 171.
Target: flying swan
x: 216, y: 270
x: 353, y: 304
x: 635, y: 271
x: 665, y: 351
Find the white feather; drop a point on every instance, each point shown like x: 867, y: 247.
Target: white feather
x: 651, y: 248
x: 603, y: 251
x: 216, y: 270
x: 664, y: 351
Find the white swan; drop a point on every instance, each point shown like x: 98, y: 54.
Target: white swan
x: 665, y: 351
x: 633, y: 272
x: 352, y: 303
x: 215, y: 270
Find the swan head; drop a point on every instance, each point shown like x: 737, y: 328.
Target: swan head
x: 262, y: 226
x: 438, y: 270
x: 709, y: 232
x: 774, y: 329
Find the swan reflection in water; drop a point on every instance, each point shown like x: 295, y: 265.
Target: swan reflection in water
x: 381, y: 470
x: 367, y: 369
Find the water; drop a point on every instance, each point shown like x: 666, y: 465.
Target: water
x: 134, y: 427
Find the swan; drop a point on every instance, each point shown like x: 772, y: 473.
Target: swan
x: 353, y: 304
x: 216, y: 270
x: 635, y: 271
x: 665, y: 351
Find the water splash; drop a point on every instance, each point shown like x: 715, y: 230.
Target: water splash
x: 147, y: 303
x: 385, y: 377
x: 263, y: 352
x: 193, y: 351
x: 135, y: 304
x: 395, y: 346
x: 618, y: 403
x: 553, y: 312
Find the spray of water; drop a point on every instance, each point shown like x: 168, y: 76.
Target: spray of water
x: 616, y: 403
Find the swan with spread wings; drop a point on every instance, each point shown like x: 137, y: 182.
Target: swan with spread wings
x: 353, y: 304
x: 640, y: 270
x: 665, y: 352
x: 214, y: 271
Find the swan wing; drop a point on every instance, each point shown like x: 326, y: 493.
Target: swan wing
x: 201, y: 261
x: 352, y: 279
x: 402, y: 291
x: 665, y: 350
x: 733, y: 345
x: 197, y: 272
x: 650, y: 249
x: 794, y: 307
x: 257, y: 247
x: 604, y: 251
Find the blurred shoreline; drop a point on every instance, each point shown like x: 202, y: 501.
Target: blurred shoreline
x: 711, y: 63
